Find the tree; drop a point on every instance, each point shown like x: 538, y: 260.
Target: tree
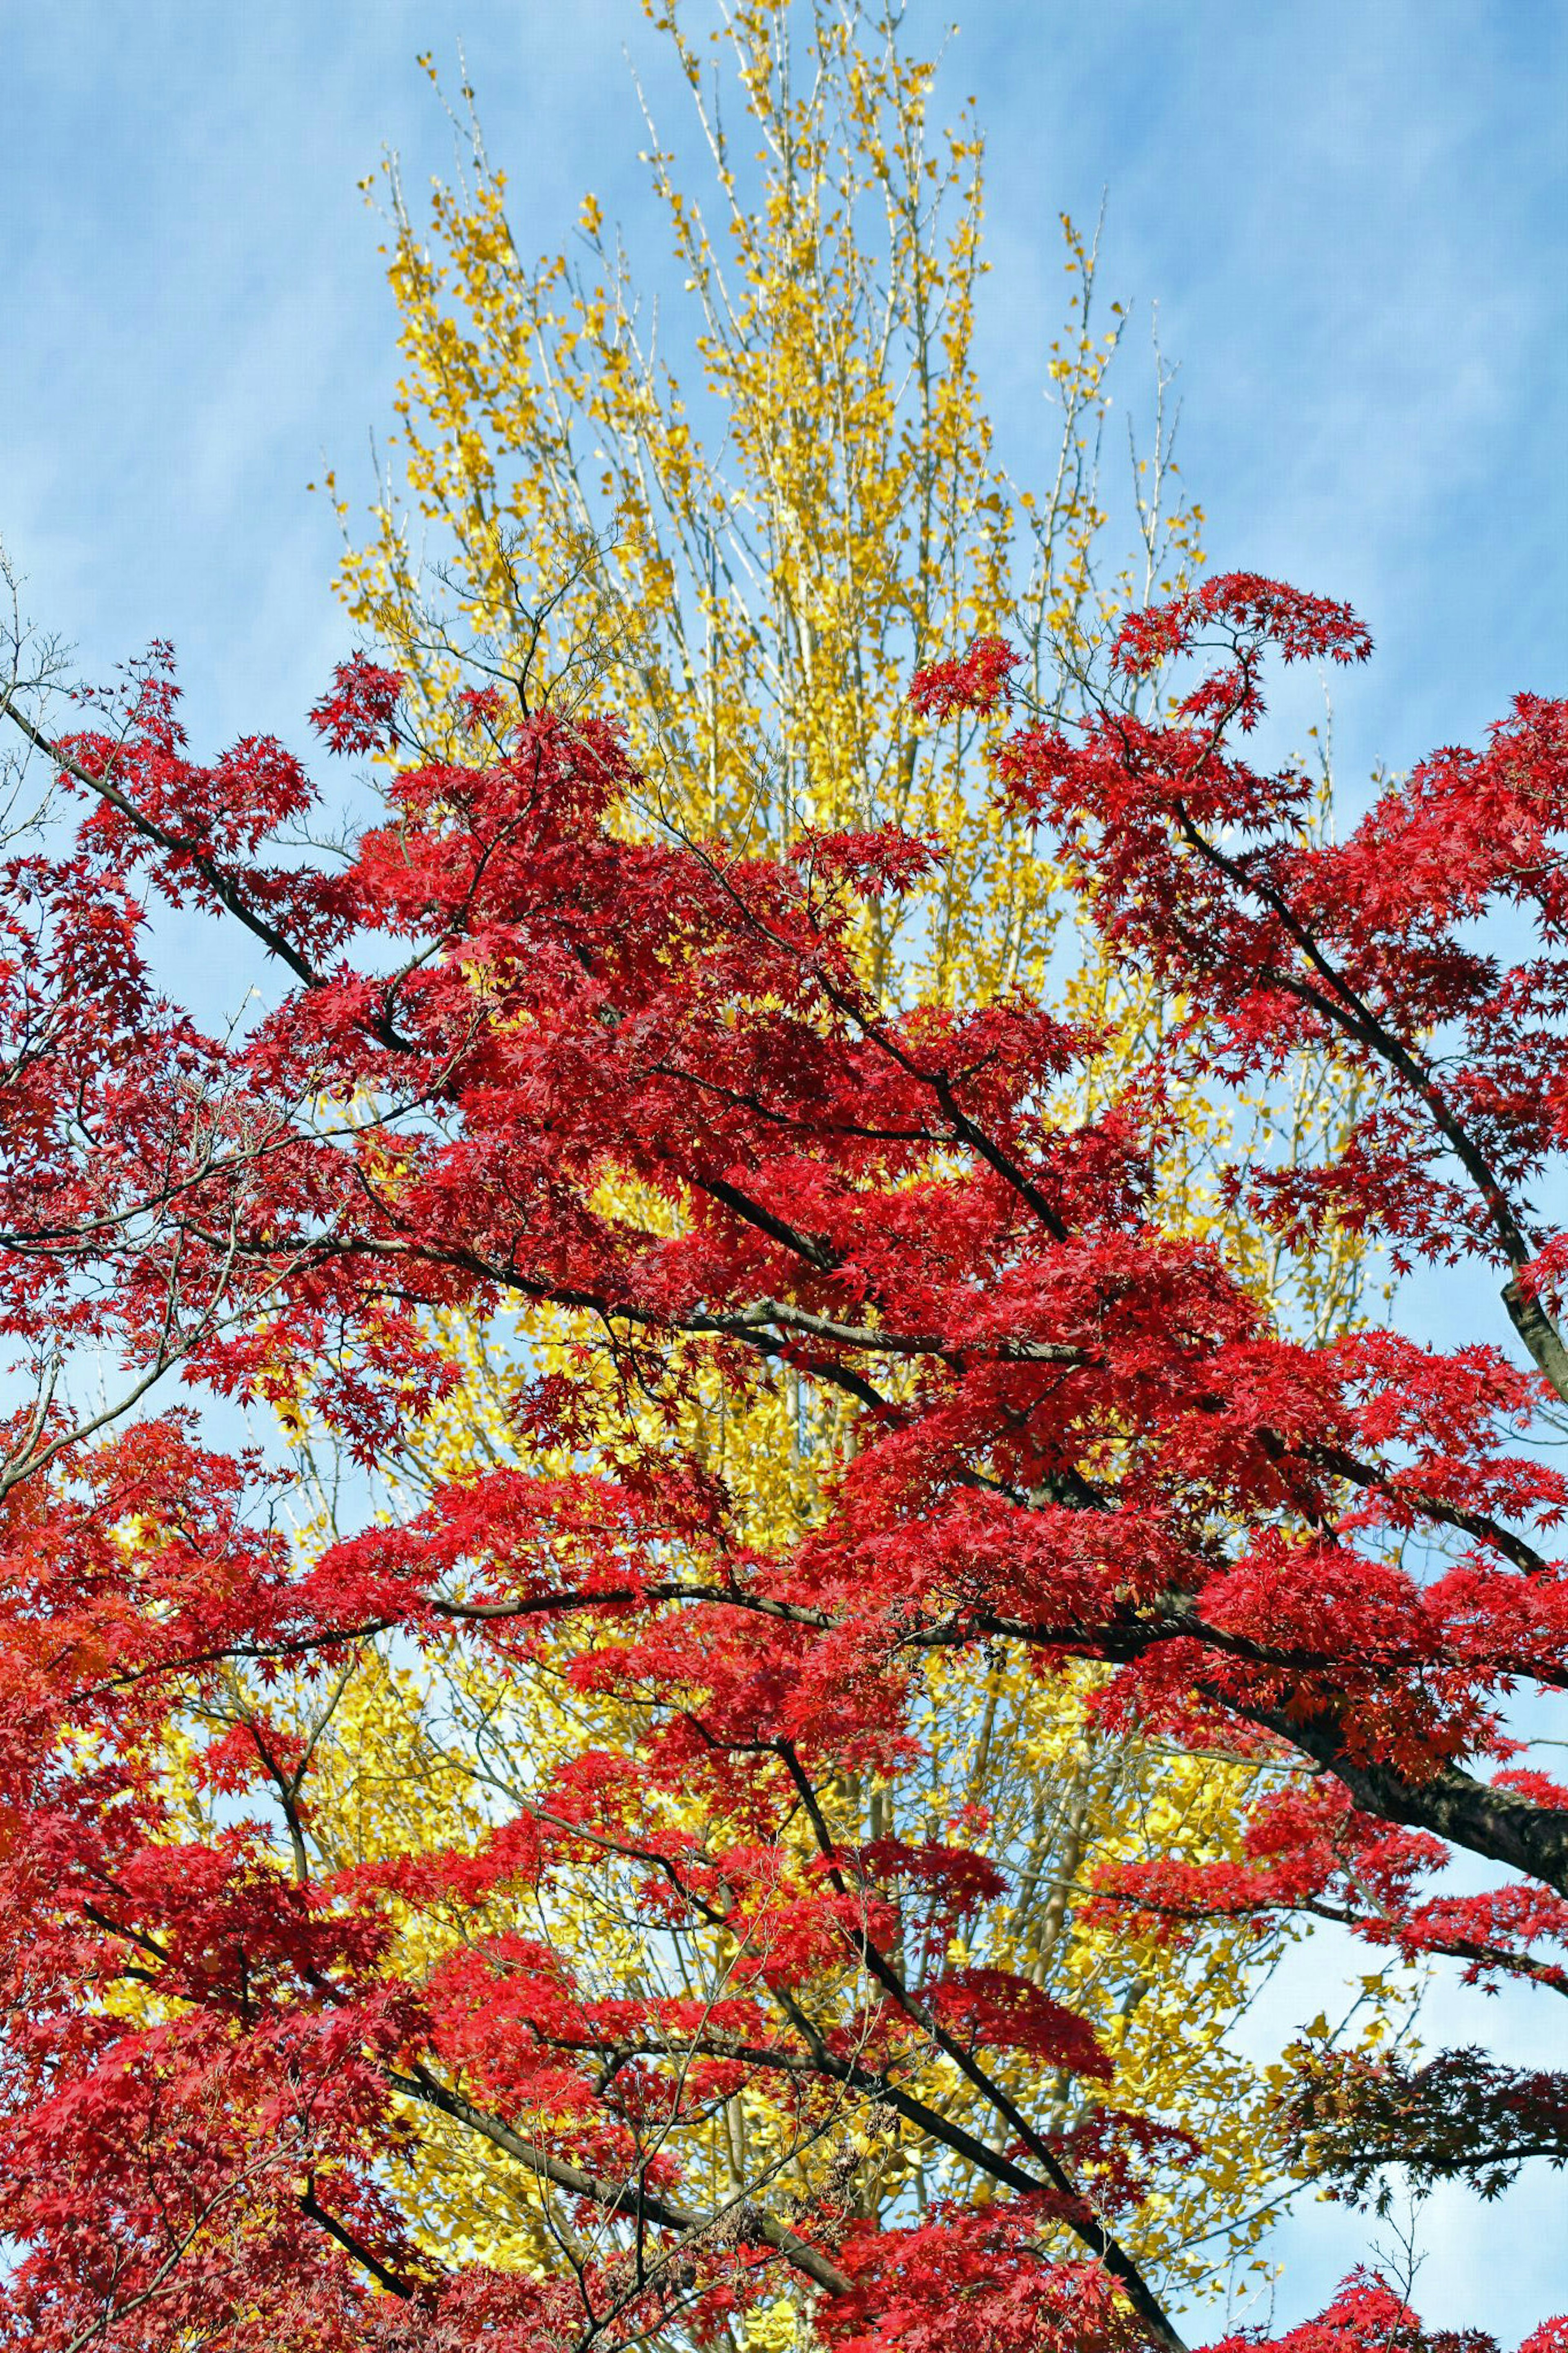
x: 518, y: 1052
x: 744, y: 526
x: 741, y: 521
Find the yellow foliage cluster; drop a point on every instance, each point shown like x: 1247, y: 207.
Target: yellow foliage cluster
x: 748, y: 560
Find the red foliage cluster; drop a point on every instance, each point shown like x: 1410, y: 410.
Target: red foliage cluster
x: 1100, y: 1447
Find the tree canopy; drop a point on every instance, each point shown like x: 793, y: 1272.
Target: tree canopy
x: 779, y: 2080
x: 742, y: 514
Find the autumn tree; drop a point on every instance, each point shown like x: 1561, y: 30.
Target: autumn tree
x: 743, y: 532
x: 516, y: 1051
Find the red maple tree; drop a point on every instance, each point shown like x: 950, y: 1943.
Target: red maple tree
x: 1081, y: 1437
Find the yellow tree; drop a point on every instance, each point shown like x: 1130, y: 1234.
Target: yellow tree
x: 744, y: 546
x: 748, y: 555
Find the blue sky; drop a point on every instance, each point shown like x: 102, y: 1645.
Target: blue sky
x: 1353, y: 218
